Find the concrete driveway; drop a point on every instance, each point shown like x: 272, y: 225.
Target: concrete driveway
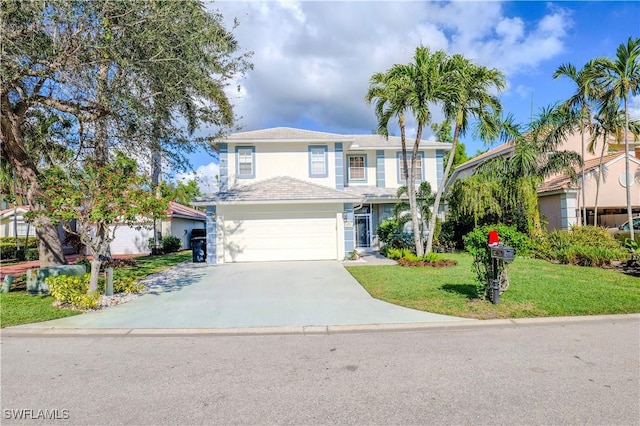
x: 269, y: 294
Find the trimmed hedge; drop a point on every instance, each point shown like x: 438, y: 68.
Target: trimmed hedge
x: 8, y: 248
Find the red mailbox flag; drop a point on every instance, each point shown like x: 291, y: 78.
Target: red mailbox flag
x: 493, y: 238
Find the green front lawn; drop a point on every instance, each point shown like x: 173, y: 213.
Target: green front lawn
x: 17, y: 307
x: 537, y: 289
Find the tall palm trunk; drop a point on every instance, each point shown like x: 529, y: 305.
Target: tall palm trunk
x: 626, y: 169
x: 584, y: 198
x: 598, y: 178
x: 49, y: 245
x: 436, y: 204
x: 411, y: 181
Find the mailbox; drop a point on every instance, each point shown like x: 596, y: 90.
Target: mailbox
x: 503, y: 253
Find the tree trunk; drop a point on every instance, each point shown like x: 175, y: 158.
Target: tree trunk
x: 101, y: 154
x: 413, y: 204
x: 49, y: 245
x: 95, y: 273
x: 598, y: 177
x: 584, y: 198
x: 626, y: 169
x: 436, y: 204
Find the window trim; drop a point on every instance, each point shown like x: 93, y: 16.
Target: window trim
x: 399, y: 164
x: 325, y: 149
x: 252, y: 175
x: 349, y: 178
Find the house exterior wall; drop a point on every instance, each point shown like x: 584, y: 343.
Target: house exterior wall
x: 612, y: 194
x: 292, y: 159
x: 550, y: 210
x: 285, y: 159
x: 181, y: 228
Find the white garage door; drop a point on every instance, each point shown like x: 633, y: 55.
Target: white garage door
x: 277, y: 233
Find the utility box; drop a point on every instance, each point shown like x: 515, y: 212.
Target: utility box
x: 36, y: 276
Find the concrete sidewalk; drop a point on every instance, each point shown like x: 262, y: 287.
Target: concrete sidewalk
x: 266, y: 294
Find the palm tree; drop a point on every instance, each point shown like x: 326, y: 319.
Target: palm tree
x: 582, y: 101
x: 424, y: 201
x: 465, y: 93
x: 619, y: 79
x: 409, y: 88
x: 507, y: 187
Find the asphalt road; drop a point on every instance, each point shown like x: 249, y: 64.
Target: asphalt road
x: 573, y: 372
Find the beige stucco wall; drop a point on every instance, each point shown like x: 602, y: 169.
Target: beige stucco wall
x: 612, y: 194
x: 559, y: 210
x: 292, y: 159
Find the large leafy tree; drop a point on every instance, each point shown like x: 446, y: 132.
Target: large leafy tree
x: 124, y: 74
x: 409, y: 89
x: 469, y: 92
x: 98, y: 198
x: 619, y: 79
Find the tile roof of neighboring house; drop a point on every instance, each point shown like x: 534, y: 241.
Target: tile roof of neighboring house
x: 9, y: 212
x: 284, y: 133
x: 493, y: 152
x: 556, y: 183
x: 280, y: 189
x: 180, y: 210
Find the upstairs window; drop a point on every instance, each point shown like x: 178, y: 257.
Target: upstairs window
x: 357, y: 168
x: 318, y: 161
x: 419, y: 170
x: 245, y: 165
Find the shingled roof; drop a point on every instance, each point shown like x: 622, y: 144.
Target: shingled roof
x: 557, y: 183
x: 286, y: 133
x: 180, y: 210
x: 280, y: 189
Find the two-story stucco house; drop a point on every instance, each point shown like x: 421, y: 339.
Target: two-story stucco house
x: 292, y: 194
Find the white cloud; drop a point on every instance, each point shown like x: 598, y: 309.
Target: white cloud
x: 313, y: 60
x: 634, y: 107
x: 206, y: 176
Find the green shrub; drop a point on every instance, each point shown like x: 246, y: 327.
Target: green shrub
x: 73, y: 290
x: 171, y: 244
x: 121, y: 285
x: 582, y: 245
x: 8, y: 248
x: 390, y: 233
x: 476, y: 240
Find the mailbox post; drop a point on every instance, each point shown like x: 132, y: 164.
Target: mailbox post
x: 506, y: 254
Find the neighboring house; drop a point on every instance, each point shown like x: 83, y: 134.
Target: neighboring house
x: 560, y: 200
x: 292, y: 194
x: 9, y: 226
x: 179, y: 222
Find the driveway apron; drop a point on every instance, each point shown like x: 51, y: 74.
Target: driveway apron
x: 265, y: 294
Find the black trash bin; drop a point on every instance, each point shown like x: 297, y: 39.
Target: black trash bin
x: 199, y: 249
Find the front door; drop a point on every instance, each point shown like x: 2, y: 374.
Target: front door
x: 363, y: 230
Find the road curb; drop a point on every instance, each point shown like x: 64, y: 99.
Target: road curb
x: 310, y: 329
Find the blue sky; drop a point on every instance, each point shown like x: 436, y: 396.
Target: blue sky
x: 312, y: 60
